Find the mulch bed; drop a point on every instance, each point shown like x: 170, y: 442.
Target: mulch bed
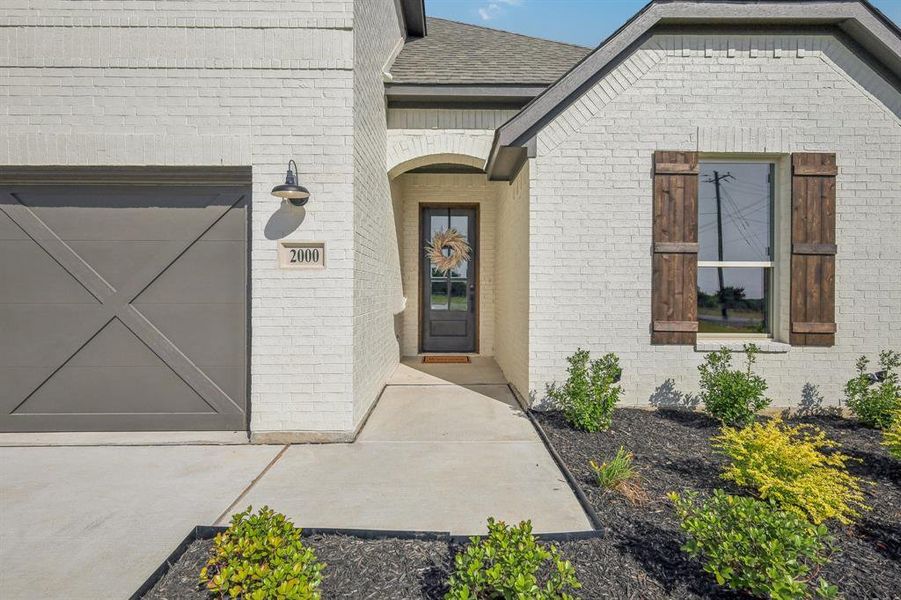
x: 356, y: 568
x: 640, y: 556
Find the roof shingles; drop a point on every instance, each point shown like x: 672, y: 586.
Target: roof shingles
x: 462, y: 54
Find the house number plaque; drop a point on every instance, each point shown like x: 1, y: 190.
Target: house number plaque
x: 301, y: 255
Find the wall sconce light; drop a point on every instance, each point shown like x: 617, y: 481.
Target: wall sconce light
x: 290, y: 190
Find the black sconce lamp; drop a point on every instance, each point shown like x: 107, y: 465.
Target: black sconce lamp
x: 290, y: 190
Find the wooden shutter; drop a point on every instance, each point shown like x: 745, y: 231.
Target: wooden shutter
x: 813, y: 250
x: 674, y: 284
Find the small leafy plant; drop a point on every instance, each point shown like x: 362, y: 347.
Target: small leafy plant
x: 892, y: 436
x: 874, y: 405
x: 732, y: 397
x: 618, y: 474
x: 590, y: 392
x: 260, y: 556
x: 753, y: 546
x: 795, y: 467
x: 506, y: 565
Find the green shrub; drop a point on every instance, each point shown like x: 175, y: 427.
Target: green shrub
x: 506, y: 565
x: 875, y: 404
x: 732, y: 397
x: 788, y: 465
x: 892, y: 436
x: 753, y: 546
x: 590, y: 392
x: 618, y: 474
x: 260, y: 556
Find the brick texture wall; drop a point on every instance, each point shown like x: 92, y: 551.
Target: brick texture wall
x: 591, y: 190
x: 377, y: 285
x: 512, y: 284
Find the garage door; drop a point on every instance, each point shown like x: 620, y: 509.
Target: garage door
x: 123, y: 307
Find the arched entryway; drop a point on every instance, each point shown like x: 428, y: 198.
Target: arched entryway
x: 454, y: 181
x: 449, y: 309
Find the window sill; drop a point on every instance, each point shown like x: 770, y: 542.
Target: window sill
x: 738, y: 345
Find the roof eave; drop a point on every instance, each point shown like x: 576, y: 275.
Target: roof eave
x: 511, y: 96
x: 857, y: 18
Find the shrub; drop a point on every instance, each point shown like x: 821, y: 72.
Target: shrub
x: 732, y: 397
x: 789, y: 466
x: 892, y: 436
x: 261, y: 556
x: 590, y: 392
x: 506, y: 565
x: 619, y: 475
x: 874, y: 404
x: 753, y: 546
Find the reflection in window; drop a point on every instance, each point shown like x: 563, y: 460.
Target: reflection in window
x: 449, y: 290
x: 439, y: 295
x: 739, y: 307
x: 458, y: 296
x: 735, y: 235
x: 735, y: 204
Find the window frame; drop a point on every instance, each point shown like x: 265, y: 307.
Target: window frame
x: 772, y: 267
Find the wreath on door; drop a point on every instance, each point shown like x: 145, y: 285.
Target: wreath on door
x: 447, y: 250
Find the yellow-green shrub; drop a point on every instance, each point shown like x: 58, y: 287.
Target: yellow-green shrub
x: 892, y: 436
x: 789, y: 466
x: 261, y: 557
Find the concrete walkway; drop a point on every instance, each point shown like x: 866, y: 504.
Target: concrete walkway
x: 445, y: 448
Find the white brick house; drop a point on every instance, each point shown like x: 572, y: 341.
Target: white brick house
x: 542, y: 154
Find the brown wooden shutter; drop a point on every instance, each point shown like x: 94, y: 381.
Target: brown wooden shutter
x: 813, y: 250
x: 674, y: 280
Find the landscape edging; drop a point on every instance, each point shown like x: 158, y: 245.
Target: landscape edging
x: 205, y: 532
x: 570, y: 478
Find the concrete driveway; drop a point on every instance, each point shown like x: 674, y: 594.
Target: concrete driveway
x: 444, y: 449
x: 94, y: 522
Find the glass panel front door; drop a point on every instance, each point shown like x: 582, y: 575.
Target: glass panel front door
x: 449, y: 253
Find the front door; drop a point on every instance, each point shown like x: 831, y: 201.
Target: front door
x: 449, y: 250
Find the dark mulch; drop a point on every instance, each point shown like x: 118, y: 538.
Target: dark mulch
x: 356, y: 568
x: 640, y: 556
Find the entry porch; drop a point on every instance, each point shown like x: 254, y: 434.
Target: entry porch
x: 473, y: 301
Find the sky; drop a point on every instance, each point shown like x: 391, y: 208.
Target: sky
x: 581, y: 22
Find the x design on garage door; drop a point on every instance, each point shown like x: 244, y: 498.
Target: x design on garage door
x: 124, y: 307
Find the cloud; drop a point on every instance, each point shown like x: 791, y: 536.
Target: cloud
x: 489, y: 12
x: 494, y: 9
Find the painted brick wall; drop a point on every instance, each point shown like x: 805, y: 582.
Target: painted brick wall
x: 377, y: 284
x: 591, y: 191
x: 414, y: 189
x: 245, y: 83
x: 447, y: 118
x: 512, y: 284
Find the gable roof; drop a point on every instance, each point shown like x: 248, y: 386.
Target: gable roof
x: 858, y: 19
x: 460, y: 54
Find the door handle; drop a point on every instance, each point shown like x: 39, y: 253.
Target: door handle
x: 472, y: 299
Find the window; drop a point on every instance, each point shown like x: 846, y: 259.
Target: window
x: 735, y: 259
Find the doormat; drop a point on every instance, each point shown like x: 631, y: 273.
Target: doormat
x: 445, y: 359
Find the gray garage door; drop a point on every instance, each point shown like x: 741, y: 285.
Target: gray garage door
x: 123, y: 307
